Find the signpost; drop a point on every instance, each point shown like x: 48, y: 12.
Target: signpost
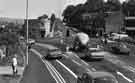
x: 27, y: 34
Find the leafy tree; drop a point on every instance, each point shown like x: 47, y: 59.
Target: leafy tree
x: 67, y: 13
x: 73, y: 15
x: 92, y: 5
x: 112, y: 5
x: 10, y: 40
x: 128, y: 8
x: 41, y: 18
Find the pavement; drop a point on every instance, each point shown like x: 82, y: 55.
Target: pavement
x: 6, y: 74
x: 8, y: 70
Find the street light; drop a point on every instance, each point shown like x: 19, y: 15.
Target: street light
x: 27, y: 33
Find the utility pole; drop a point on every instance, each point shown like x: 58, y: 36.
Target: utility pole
x: 27, y: 33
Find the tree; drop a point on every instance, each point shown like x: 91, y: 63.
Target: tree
x: 42, y: 17
x: 128, y: 8
x: 112, y: 5
x: 67, y: 13
x: 10, y: 40
x: 94, y: 4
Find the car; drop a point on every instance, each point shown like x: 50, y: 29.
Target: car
x: 117, y: 47
x: 128, y: 40
x: 96, y: 77
x: 53, y: 54
x: 116, y: 36
x: 121, y: 48
x: 31, y: 41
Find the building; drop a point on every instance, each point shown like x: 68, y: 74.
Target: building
x: 33, y: 27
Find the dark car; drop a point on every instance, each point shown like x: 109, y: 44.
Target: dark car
x: 117, y: 47
x: 97, y: 77
x: 53, y: 54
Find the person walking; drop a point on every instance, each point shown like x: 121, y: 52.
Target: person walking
x: 14, y: 64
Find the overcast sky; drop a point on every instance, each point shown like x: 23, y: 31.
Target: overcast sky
x: 16, y: 8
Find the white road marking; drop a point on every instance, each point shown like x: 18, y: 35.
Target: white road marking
x: 71, y: 72
x: 49, y: 68
x: 76, y: 62
x: 126, y: 78
x: 85, y: 62
x: 114, y: 60
x: 100, y: 53
x: 93, y: 69
x: 69, y: 53
x: 76, y: 57
x: 56, y: 72
x: 121, y: 63
x: 52, y: 73
x: 131, y: 68
x: 60, y: 78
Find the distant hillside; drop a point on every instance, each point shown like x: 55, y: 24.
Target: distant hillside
x: 13, y: 20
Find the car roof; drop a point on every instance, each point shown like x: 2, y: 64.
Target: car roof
x: 99, y: 74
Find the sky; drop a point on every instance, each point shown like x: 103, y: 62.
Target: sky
x: 16, y: 8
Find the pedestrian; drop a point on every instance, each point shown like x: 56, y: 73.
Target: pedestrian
x: 14, y: 64
x: 2, y: 53
x: 67, y: 32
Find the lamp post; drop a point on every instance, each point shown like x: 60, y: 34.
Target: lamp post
x: 27, y: 33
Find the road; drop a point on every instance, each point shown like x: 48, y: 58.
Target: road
x: 67, y: 70
x: 36, y: 71
x: 43, y: 71
x: 116, y: 65
x: 113, y: 64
